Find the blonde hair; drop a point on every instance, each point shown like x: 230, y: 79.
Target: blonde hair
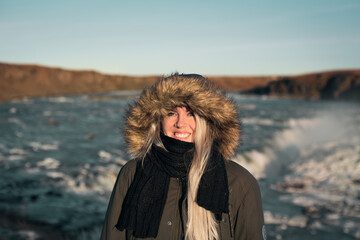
x: 201, y: 223
x: 152, y: 137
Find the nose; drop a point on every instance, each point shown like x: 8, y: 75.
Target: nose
x: 180, y: 121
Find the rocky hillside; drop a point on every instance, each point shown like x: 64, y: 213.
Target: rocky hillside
x: 341, y: 85
x: 18, y: 81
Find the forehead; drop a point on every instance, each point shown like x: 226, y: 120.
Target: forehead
x: 165, y: 111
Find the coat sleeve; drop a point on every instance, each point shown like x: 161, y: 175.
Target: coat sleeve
x: 249, y: 220
x: 123, y: 181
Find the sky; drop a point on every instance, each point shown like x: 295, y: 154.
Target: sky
x: 138, y: 37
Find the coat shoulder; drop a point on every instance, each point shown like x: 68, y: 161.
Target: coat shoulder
x: 130, y: 166
x: 127, y: 172
x: 240, y: 180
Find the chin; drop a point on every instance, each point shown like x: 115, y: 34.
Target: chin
x: 185, y: 140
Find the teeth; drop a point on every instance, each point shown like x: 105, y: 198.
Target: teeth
x: 182, y: 135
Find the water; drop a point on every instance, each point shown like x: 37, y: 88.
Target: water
x: 59, y: 158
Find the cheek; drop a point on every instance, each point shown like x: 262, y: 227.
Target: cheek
x: 166, y: 125
x: 193, y: 125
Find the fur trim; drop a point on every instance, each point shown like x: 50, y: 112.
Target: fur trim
x: 193, y: 91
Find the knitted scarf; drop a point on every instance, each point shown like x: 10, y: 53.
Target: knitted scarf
x: 145, y: 199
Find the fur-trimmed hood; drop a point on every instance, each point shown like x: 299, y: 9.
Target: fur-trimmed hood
x: 192, y: 91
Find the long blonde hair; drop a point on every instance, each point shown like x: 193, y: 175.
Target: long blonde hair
x: 201, y: 223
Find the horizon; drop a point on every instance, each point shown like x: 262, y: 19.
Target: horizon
x: 232, y: 38
x: 154, y: 75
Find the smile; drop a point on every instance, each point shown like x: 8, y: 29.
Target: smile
x: 182, y: 135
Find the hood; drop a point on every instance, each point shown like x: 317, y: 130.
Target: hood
x: 193, y: 91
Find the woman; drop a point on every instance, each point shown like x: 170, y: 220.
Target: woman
x: 181, y: 184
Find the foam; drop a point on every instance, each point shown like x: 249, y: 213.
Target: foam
x: 56, y: 175
x: 308, y: 139
x: 297, y: 132
x: 87, y: 182
x: 327, y: 181
x: 324, y: 175
x: 19, y: 151
x: 120, y: 161
x: 294, y: 221
x: 278, y: 151
x: 255, y: 162
x: 13, y: 110
x: 19, y: 134
x: 25, y: 100
x: 33, y: 170
x: 47, y: 113
x: 39, y: 146
x: 17, y: 121
x: 49, y: 163
x: 352, y: 228
x: 104, y: 156
x: 258, y: 121
x: 15, y: 157
x: 97, y: 180
x: 60, y: 99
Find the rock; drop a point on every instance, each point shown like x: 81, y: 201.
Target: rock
x: 340, y: 85
x: 33, y: 198
x: 90, y: 136
x: 356, y: 181
x: 53, y: 122
x: 311, y: 211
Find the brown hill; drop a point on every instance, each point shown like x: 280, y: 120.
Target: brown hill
x: 241, y: 83
x: 18, y: 81
x: 341, y: 85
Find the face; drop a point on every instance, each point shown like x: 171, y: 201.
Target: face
x: 180, y: 124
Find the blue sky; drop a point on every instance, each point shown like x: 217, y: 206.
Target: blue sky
x: 243, y: 37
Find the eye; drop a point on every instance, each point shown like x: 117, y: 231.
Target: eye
x: 170, y: 114
x: 191, y: 114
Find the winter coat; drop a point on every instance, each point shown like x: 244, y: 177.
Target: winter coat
x: 245, y: 217
x: 244, y: 221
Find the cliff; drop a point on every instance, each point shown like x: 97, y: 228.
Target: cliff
x: 332, y: 85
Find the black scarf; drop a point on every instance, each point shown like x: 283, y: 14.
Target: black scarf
x: 145, y: 200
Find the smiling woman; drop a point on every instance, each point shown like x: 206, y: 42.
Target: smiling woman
x: 181, y: 183
x: 180, y: 124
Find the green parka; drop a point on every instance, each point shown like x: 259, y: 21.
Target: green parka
x: 244, y: 221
